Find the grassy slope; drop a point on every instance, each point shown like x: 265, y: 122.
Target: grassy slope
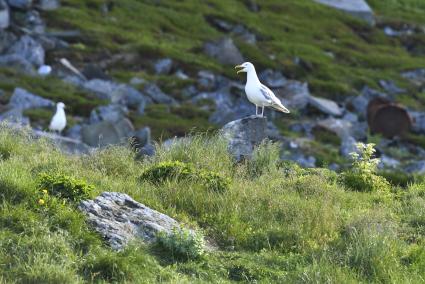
x: 300, y: 226
x: 178, y: 29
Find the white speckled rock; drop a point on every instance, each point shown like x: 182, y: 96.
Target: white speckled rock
x: 120, y: 219
x: 356, y: 8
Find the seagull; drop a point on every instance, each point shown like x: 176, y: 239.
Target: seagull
x: 257, y: 93
x: 58, y: 121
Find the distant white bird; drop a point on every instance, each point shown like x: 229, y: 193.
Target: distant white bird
x: 257, y: 93
x: 44, y: 70
x: 58, y: 122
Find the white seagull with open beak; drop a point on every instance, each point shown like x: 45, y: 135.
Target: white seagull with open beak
x: 58, y: 122
x: 257, y: 93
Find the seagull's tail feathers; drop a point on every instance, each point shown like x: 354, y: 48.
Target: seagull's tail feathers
x: 281, y: 108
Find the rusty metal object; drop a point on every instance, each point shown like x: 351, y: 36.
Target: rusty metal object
x: 388, y: 118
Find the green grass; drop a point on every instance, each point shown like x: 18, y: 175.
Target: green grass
x: 276, y: 223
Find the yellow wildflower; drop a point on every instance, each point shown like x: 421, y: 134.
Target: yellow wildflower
x: 44, y: 191
x: 41, y: 201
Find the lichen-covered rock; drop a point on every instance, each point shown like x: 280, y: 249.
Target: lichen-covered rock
x: 243, y: 135
x: 120, y: 219
x: 224, y: 51
x: 107, y: 133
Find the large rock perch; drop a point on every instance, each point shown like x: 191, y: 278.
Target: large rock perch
x: 120, y: 219
x: 243, y: 135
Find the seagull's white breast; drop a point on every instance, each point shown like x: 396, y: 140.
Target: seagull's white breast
x: 58, y: 122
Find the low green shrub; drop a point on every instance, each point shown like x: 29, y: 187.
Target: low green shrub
x: 64, y: 186
x: 168, y: 170
x: 362, y: 175
x: 184, y: 171
x: 182, y: 243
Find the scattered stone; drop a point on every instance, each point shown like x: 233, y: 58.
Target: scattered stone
x: 147, y: 150
x: 356, y: 8
x: 120, y: 219
x: 33, y: 21
x: 181, y: 75
x: 390, y: 87
x: 388, y: 162
x: 418, y: 119
x: 348, y: 146
x: 163, y: 66
x: 243, y: 135
x: 244, y: 34
x: 294, y: 94
x: 44, y: 70
x: 74, y: 132
x: 142, y: 137
x: 417, y: 167
x: 15, y: 116
x: 417, y: 77
x: 252, y: 5
x: 22, y: 99
x: 4, y: 15
x: 303, y: 161
x: 325, y: 106
x: 65, y: 144
x: 17, y: 62
x: 156, y: 94
x: 359, y: 103
x: 137, y: 81
x: 389, y: 31
x: 351, y: 117
x: 7, y: 39
x: 272, y: 79
x: 49, y: 5
x: 107, y: 133
x: 29, y: 49
x: 207, y: 80
x: 340, y: 127
x: 116, y: 93
x: 189, y: 92
x: 20, y: 4
x: 224, y: 51
x: 93, y: 71
x: 111, y: 113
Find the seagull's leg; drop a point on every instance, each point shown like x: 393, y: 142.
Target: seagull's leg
x: 256, y: 110
x: 262, y: 112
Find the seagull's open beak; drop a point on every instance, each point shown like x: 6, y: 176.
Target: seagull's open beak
x: 239, y: 66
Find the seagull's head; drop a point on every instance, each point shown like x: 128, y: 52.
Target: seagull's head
x: 245, y: 67
x: 60, y: 105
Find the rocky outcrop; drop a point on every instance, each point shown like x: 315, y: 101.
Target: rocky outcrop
x: 356, y: 8
x: 243, y: 135
x: 120, y: 219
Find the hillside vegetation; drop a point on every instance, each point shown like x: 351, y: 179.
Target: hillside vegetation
x: 275, y: 223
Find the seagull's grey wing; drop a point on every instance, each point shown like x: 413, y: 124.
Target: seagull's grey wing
x: 266, y: 93
x: 269, y: 95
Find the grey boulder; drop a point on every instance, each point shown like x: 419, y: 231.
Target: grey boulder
x: 22, y: 99
x: 158, y: 96
x: 356, y: 8
x: 17, y: 62
x: 243, y: 135
x: 163, y: 66
x: 120, y: 219
x: 107, y: 133
x: 326, y: 106
x: 111, y: 113
x: 49, y: 5
x: 20, y: 4
x: 224, y: 51
x: 4, y: 15
x: 29, y: 49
